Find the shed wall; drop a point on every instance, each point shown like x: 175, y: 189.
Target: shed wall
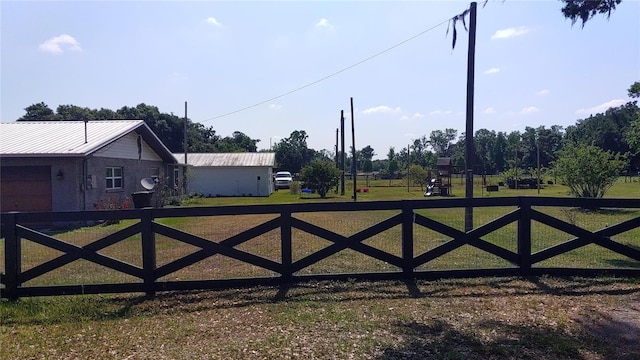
x: 230, y: 181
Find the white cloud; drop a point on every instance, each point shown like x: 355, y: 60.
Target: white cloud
x: 418, y: 115
x: 324, y: 23
x: 441, y: 112
x: 543, y: 92
x: 380, y: 109
x: 275, y: 106
x: 58, y: 44
x: 489, y: 110
x: 529, y: 110
x: 510, y: 32
x: 214, y: 22
x: 404, y: 117
x: 600, y: 108
x: 492, y: 71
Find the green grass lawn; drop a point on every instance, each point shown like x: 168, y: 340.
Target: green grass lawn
x: 489, y: 318
x: 543, y: 318
x: 380, y: 190
x: 345, y: 223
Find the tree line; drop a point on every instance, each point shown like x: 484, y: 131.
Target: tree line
x: 617, y: 131
x: 168, y: 127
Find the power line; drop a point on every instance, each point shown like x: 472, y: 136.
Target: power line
x: 330, y: 75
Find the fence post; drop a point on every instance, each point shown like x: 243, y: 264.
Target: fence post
x: 524, y: 236
x: 12, y: 257
x: 148, y: 252
x: 407, y: 239
x: 286, y: 244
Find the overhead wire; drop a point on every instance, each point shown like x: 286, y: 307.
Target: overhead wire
x: 330, y: 75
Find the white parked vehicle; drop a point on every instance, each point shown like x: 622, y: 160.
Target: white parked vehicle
x: 283, y: 180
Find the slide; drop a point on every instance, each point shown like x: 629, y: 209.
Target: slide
x: 429, y: 191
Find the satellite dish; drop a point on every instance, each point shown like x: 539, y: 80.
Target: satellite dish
x: 148, y: 183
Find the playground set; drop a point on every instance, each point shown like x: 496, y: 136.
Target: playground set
x: 441, y: 183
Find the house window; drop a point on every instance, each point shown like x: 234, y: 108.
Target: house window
x: 114, y: 178
x: 176, y: 177
x: 155, y: 174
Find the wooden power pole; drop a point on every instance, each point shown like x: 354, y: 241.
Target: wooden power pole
x: 342, y: 152
x: 469, y: 148
x: 353, y: 152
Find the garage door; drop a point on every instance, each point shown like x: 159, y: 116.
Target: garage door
x: 25, y: 188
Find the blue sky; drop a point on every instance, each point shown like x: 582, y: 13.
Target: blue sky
x: 532, y: 67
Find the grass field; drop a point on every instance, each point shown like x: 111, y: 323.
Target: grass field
x: 342, y: 222
x: 511, y: 318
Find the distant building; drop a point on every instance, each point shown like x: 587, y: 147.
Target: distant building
x: 229, y: 174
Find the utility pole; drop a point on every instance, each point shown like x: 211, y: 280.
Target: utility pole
x: 185, y: 133
x: 469, y: 148
x: 342, y: 154
x: 408, y: 166
x: 353, y: 151
x: 337, y: 153
x: 337, y: 158
x: 538, y: 161
x: 515, y: 167
x: 184, y: 170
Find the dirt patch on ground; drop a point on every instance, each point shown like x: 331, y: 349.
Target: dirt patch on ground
x: 621, y: 324
x: 492, y: 318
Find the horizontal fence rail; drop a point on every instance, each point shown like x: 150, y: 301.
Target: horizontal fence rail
x: 524, y: 258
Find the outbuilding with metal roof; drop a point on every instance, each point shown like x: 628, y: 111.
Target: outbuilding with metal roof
x: 229, y: 174
x: 80, y: 165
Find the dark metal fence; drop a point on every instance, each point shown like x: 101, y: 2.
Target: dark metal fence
x: 621, y: 239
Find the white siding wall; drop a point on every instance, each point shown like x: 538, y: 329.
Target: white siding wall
x: 227, y: 181
x: 127, y: 148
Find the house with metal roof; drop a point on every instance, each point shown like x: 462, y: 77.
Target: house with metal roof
x: 229, y: 174
x: 80, y: 165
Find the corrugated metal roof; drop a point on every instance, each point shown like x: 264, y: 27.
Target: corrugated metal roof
x: 245, y: 159
x: 60, y: 138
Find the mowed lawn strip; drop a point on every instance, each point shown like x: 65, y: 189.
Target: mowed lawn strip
x: 505, y: 318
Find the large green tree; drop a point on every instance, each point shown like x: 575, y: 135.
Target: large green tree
x: 367, y: 153
x: 72, y: 112
x: 420, y: 153
x: 365, y: 157
x: 292, y: 153
x: 37, y: 112
x: 586, y: 9
x: 588, y: 170
x: 238, y: 142
x: 320, y: 175
x: 499, y: 152
x: 484, y: 142
x: 632, y: 135
x: 392, y: 162
x: 441, y: 141
x: 608, y: 130
x: 418, y: 175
